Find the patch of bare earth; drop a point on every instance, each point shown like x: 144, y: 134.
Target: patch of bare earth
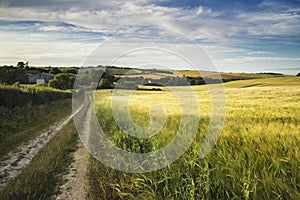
x: 75, y: 181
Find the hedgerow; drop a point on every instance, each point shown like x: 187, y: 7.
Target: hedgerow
x: 13, y: 96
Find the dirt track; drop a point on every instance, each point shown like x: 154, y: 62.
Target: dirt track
x: 16, y: 160
x: 75, y: 181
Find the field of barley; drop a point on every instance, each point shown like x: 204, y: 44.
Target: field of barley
x: 256, y: 157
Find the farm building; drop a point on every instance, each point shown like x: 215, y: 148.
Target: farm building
x: 36, y: 77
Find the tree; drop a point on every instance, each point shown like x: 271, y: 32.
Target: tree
x: 21, y: 64
x: 62, y: 81
x: 55, y: 70
x: 105, y: 84
x: 27, y: 65
x: 71, y: 82
x: 10, y: 75
x: 72, y: 70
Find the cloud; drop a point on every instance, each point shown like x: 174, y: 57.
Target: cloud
x: 119, y: 14
x: 199, y: 22
x: 288, y: 68
x: 112, y: 15
x: 254, y: 59
x: 227, y: 35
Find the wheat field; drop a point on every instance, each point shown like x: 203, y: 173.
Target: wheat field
x: 257, y: 155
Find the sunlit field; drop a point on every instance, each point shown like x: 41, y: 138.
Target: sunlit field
x: 257, y: 155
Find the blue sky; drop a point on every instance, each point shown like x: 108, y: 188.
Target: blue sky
x: 238, y: 36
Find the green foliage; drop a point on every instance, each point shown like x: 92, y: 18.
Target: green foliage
x: 89, y: 76
x: 10, y: 75
x: 55, y: 70
x: 62, y: 81
x: 105, y: 84
x: 116, y: 70
x: 13, y: 96
x: 41, y: 85
x: 21, y: 64
x: 72, y: 70
x: 20, y: 124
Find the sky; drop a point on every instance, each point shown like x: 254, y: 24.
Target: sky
x: 227, y: 36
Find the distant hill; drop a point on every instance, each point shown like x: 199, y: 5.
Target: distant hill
x: 275, y: 81
x: 194, y: 77
x: 230, y: 75
x: 156, y: 74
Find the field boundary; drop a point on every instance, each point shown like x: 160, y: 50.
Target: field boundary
x: 17, y: 160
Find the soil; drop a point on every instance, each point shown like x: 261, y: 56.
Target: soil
x: 75, y: 180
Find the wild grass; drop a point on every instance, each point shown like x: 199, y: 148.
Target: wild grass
x: 40, y: 179
x: 21, y: 124
x: 256, y: 157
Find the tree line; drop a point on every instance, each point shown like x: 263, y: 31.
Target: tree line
x: 64, y: 77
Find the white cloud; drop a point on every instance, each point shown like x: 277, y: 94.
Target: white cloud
x: 200, y: 22
x: 219, y: 34
x: 254, y: 59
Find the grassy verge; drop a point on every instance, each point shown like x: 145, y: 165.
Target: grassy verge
x: 21, y: 124
x: 40, y: 178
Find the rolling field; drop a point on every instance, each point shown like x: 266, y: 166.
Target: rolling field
x: 228, y: 75
x: 256, y: 157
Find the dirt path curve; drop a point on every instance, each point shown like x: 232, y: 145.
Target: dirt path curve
x: 16, y: 160
x: 75, y: 182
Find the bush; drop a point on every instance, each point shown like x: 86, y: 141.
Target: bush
x: 12, y: 96
x: 10, y: 75
x: 105, y: 84
x: 62, y: 81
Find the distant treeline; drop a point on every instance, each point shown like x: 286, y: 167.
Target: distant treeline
x: 109, y: 80
x: 13, y: 96
x: 64, y: 77
x: 133, y: 82
x: 272, y: 73
x: 111, y: 77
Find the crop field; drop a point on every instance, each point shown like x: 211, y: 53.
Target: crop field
x: 228, y: 75
x: 256, y: 157
x: 152, y: 76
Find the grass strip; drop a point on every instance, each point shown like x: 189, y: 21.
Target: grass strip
x: 19, y: 125
x: 40, y: 179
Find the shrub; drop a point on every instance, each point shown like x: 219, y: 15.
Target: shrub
x: 10, y: 75
x: 62, y: 81
x: 13, y: 96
